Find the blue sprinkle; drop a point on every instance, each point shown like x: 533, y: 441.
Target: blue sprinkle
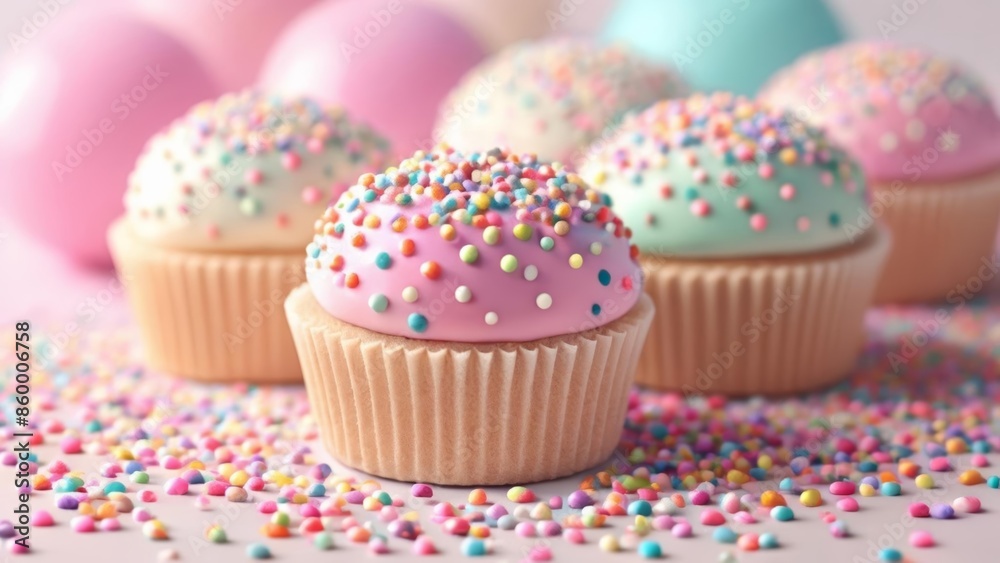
x: 890, y: 554
x: 640, y: 508
x: 767, y: 540
x: 595, y: 309
x: 383, y: 260
x: 650, y: 549
x: 604, y: 277
x: 473, y: 547
x: 890, y: 489
x: 417, y: 322
x: 724, y: 534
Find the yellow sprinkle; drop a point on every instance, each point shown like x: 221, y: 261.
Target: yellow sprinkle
x: 811, y: 498
x: 576, y: 261
x: 764, y: 462
x: 239, y: 478
x: 608, y: 543
x: 448, y: 232
x: 866, y: 490
x: 924, y: 481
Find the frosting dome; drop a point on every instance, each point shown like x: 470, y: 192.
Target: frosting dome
x: 246, y: 171
x: 551, y: 98
x: 488, y: 247
x: 722, y: 176
x: 902, y: 113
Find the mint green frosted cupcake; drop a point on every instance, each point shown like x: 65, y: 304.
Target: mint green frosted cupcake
x: 747, y: 221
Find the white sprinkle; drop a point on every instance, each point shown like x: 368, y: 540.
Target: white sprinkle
x: 596, y: 248
x: 410, y: 294
x: 544, y: 301
x: 530, y: 272
x: 463, y: 294
x: 491, y: 318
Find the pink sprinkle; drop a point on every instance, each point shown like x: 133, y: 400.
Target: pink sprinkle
x: 758, y: 221
x: 647, y: 494
x: 700, y: 175
x: 548, y: 528
x: 575, y: 535
x: 728, y: 178
x: 421, y: 490
x: 291, y: 160
x: 803, y: 224
x: 525, y: 530
x: 540, y: 553
x: 712, y: 517
x: 424, y: 546
x: 314, y: 145
x: 176, y: 486
x: 267, y: 507
x: 766, y: 171
x: 215, y: 488
x: 920, y: 510
x: 700, y: 208
x: 787, y: 191
x: 253, y: 176
x: 110, y: 525
x: 312, y: 195
x: 699, y: 497
x: 842, y: 488
x: 744, y: 517
x: 848, y: 504
x: 16, y: 548
x: 141, y: 515
x: 71, y: 445
x: 82, y: 524
x: 457, y: 526
x: 970, y: 505
x: 939, y: 464
x: 979, y: 460
x: 829, y: 517
x: 681, y: 530
x: 555, y: 503
x: 743, y: 202
x: 42, y: 519
x: 666, y: 192
x: 146, y: 495
x: 663, y: 522
x: 170, y: 462
x: 920, y: 538
x: 202, y: 502
x: 255, y: 484
x: 310, y: 511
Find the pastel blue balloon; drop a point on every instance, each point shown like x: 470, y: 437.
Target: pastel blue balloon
x: 732, y: 45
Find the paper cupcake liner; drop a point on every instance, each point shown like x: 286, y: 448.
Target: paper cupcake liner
x: 767, y: 326
x: 943, y: 234
x: 210, y: 316
x: 466, y: 414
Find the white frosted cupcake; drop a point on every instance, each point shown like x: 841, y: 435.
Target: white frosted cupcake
x: 552, y: 98
x: 928, y: 137
x: 217, y: 210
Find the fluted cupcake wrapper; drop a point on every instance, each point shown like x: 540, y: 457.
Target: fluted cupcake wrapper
x: 943, y: 234
x: 210, y: 316
x: 466, y: 414
x: 767, y: 326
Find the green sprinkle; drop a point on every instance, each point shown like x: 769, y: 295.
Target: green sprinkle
x: 469, y: 254
x: 378, y: 302
x: 508, y: 263
x: 547, y: 243
x: 491, y: 235
x: 522, y: 231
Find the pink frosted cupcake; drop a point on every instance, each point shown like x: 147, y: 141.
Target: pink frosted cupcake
x: 464, y: 309
x: 928, y: 138
x: 217, y: 210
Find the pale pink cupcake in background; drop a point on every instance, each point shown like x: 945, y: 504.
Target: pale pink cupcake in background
x: 217, y: 211
x: 553, y: 98
x: 466, y: 308
x: 928, y: 137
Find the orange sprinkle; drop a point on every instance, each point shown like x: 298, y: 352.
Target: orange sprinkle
x: 770, y: 499
x: 351, y: 280
x: 337, y: 263
x: 366, y: 179
x: 887, y: 477
x: 373, y: 221
x: 399, y: 225
x: 431, y: 270
x: 407, y: 247
x: 274, y: 531
x: 420, y: 222
x: 358, y: 240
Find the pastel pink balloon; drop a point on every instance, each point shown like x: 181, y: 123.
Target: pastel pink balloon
x: 231, y: 37
x: 389, y: 63
x: 77, y: 105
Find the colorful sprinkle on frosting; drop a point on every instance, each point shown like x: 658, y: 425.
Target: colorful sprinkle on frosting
x: 722, y: 176
x: 552, y: 98
x: 903, y: 113
x: 488, y: 247
x: 247, y: 171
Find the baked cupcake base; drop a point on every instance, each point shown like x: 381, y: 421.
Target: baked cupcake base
x: 210, y: 316
x: 466, y: 414
x: 758, y: 326
x: 942, y: 233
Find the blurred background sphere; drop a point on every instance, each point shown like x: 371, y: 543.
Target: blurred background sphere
x: 732, y: 45
x: 389, y: 63
x: 77, y: 105
x: 231, y: 37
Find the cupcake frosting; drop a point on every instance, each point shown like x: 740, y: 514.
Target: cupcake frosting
x: 247, y: 171
x: 722, y: 176
x: 903, y: 113
x: 551, y: 98
x: 486, y: 247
